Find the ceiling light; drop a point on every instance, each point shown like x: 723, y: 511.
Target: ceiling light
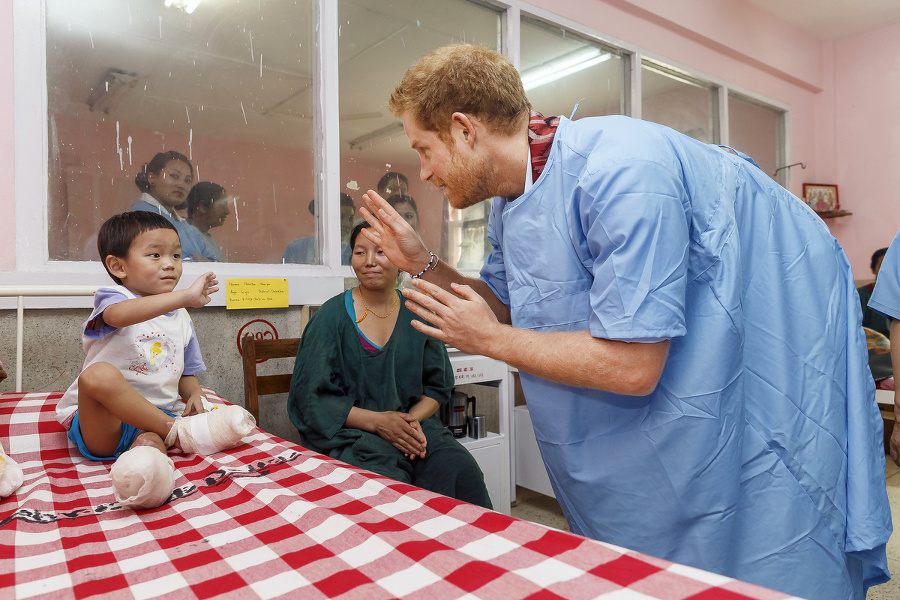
x: 563, y: 66
x: 187, y: 6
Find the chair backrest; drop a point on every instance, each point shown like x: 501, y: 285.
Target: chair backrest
x: 261, y: 385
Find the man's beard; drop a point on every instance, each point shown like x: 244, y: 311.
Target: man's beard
x: 467, y: 184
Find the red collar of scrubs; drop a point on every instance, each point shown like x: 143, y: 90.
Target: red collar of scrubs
x: 541, y: 130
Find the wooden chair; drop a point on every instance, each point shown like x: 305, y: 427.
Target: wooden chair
x: 261, y: 385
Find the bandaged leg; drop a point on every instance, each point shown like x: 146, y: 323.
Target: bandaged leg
x: 10, y: 474
x: 143, y: 477
x: 211, y: 432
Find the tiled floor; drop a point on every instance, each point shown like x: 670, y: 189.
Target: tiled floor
x: 891, y: 589
x: 545, y: 510
x: 539, y: 508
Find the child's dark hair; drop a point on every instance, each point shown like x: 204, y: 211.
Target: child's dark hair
x: 118, y: 231
x: 156, y: 165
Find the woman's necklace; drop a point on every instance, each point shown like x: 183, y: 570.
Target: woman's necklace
x: 369, y: 310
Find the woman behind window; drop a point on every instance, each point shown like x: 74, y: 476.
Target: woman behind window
x: 165, y: 183
x: 366, y: 386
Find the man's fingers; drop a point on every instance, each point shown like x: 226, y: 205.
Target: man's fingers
x: 430, y: 331
x: 426, y: 304
x: 373, y: 221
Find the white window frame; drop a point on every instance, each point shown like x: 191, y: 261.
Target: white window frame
x: 309, y: 284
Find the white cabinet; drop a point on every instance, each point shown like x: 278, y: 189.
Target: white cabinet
x: 530, y: 470
x: 492, y: 452
x: 488, y: 452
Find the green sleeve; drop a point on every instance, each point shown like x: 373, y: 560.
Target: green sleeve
x: 437, y: 372
x: 321, y: 386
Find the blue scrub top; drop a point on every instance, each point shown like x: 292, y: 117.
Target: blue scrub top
x: 759, y: 455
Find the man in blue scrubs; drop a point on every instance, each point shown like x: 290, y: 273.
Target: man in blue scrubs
x: 687, y: 332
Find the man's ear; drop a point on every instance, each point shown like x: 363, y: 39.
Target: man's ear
x: 463, y: 126
x: 115, y: 265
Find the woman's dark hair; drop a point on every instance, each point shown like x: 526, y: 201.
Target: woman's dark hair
x: 118, y: 232
x: 403, y: 199
x: 203, y: 194
x: 355, y: 233
x: 878, y: 254
x: 156, y: 165
x: 389, y: 177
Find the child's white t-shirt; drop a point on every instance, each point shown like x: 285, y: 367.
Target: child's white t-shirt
x: 152, y: 355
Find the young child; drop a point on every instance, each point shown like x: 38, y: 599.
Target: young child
x: 142, y: 359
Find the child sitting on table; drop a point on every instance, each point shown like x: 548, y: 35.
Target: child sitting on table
x: 142, y: 358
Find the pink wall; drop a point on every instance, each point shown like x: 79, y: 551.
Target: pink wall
x: 862, y: 110
x: 697, y: 34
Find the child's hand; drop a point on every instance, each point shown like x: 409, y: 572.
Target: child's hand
x: 193, y: 406
x: 199, y: 292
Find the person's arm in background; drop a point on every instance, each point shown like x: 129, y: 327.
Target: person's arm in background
x: 895, y: 364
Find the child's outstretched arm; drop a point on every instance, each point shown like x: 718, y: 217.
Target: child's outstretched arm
x: 138, y: 310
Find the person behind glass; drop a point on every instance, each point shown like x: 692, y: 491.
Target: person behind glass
x: 207, y: 205
x: 366, y: 386
x: 406, y: 208
x: 165, y: 183
x: 392, y: 183
x: 871, y: 318
x: 303, y: 250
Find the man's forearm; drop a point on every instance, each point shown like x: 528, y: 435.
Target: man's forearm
x: 576, y: 358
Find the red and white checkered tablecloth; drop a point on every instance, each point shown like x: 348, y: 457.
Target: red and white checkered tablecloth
x: 270, y: 519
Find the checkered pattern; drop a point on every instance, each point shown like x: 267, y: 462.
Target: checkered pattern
x: 270, y: 519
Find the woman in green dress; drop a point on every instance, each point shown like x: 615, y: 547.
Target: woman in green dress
x: 367, y: 385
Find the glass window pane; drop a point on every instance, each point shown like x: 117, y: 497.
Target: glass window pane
x: 673, y: 99
x: 560, y: 69
x: 379, y: 40
x: 756, y: 129
x: 226, y: 83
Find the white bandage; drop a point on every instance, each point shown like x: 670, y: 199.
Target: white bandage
x: 211, y: 432
x: 143, y: 477
x: 11, y: 475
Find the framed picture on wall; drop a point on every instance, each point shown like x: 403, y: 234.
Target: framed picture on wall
x: 821, y: 197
